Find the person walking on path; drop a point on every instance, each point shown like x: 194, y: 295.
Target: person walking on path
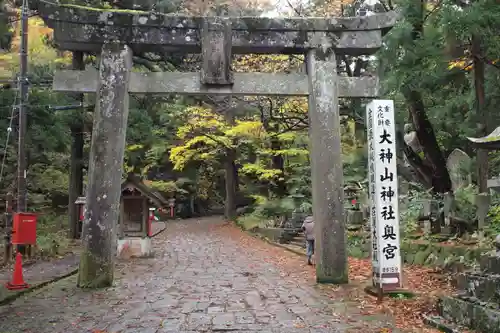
x: 308, y: 228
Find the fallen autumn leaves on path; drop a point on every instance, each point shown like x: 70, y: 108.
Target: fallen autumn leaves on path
x: 426, y: 283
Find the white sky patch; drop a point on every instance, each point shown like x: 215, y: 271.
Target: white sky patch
x: 283, y: 7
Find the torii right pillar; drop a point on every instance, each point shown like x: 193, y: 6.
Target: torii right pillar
x: 326, y: 167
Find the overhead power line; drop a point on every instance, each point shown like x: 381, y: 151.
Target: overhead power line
x: 9, y: 130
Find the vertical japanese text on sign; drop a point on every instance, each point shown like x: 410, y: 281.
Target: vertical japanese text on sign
x: 371, y: 178
x: 383, y: 182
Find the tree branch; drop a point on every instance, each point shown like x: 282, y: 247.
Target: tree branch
x: 294, y: 9
x: 294, y: 127
x: 436, y: 7
x: 422, y: 171
x: 489, y: 62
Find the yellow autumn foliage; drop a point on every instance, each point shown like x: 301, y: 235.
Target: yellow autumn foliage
x: 260, y: 171
x: 207, y: 135
x: 247, y: 129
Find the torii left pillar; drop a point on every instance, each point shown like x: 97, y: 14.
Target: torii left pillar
x: 326, y: 166
x: 105, y: 167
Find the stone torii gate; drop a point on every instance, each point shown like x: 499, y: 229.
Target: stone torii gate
x: 118, y: 34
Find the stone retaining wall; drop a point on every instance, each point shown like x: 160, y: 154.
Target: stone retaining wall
x: 279, y: 235
x: 451, y: 257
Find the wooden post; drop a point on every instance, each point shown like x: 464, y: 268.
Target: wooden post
x: 145, y: 217
x: 448, y: 207
x: 326, y: 167
x: 76, y: 171
x: 105, y: 167
x: 483, y: 206
x: 121, y: 219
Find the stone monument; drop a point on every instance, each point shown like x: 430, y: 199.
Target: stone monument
x: 458, y: 164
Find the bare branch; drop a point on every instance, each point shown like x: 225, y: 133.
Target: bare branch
x: 436, y: 7
x: 298, y: 12
x: 489, y: 62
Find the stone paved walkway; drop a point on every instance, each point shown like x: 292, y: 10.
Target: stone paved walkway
x: 203, y: 278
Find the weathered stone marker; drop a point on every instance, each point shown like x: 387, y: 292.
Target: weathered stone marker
x: 82, y: 29
x: 458, y: 164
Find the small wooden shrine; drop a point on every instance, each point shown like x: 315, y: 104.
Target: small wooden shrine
x: 136, y: 200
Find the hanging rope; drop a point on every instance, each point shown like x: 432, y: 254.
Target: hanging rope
x: 9, y: 130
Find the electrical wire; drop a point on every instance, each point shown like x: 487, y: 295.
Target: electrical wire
x: 36, y: 82
x: 17, y: 19
x: 9, y: 130
x: 53, y: 107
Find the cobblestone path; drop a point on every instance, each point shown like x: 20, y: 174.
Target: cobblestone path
x: 206, y: 276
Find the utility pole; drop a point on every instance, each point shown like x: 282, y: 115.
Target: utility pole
x: 77, y: 143
x: 23, y: 88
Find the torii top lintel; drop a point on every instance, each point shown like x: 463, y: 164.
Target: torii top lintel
x: 78, y: 28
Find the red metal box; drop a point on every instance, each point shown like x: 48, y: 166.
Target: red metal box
x: 24, y: 229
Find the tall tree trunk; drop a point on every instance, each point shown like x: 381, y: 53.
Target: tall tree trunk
x: 441, y: 181
x: 278, y: 163
x: 76, y: 170
x: 231, y: 173
x: 231, y: 185
x: 481, y: 114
